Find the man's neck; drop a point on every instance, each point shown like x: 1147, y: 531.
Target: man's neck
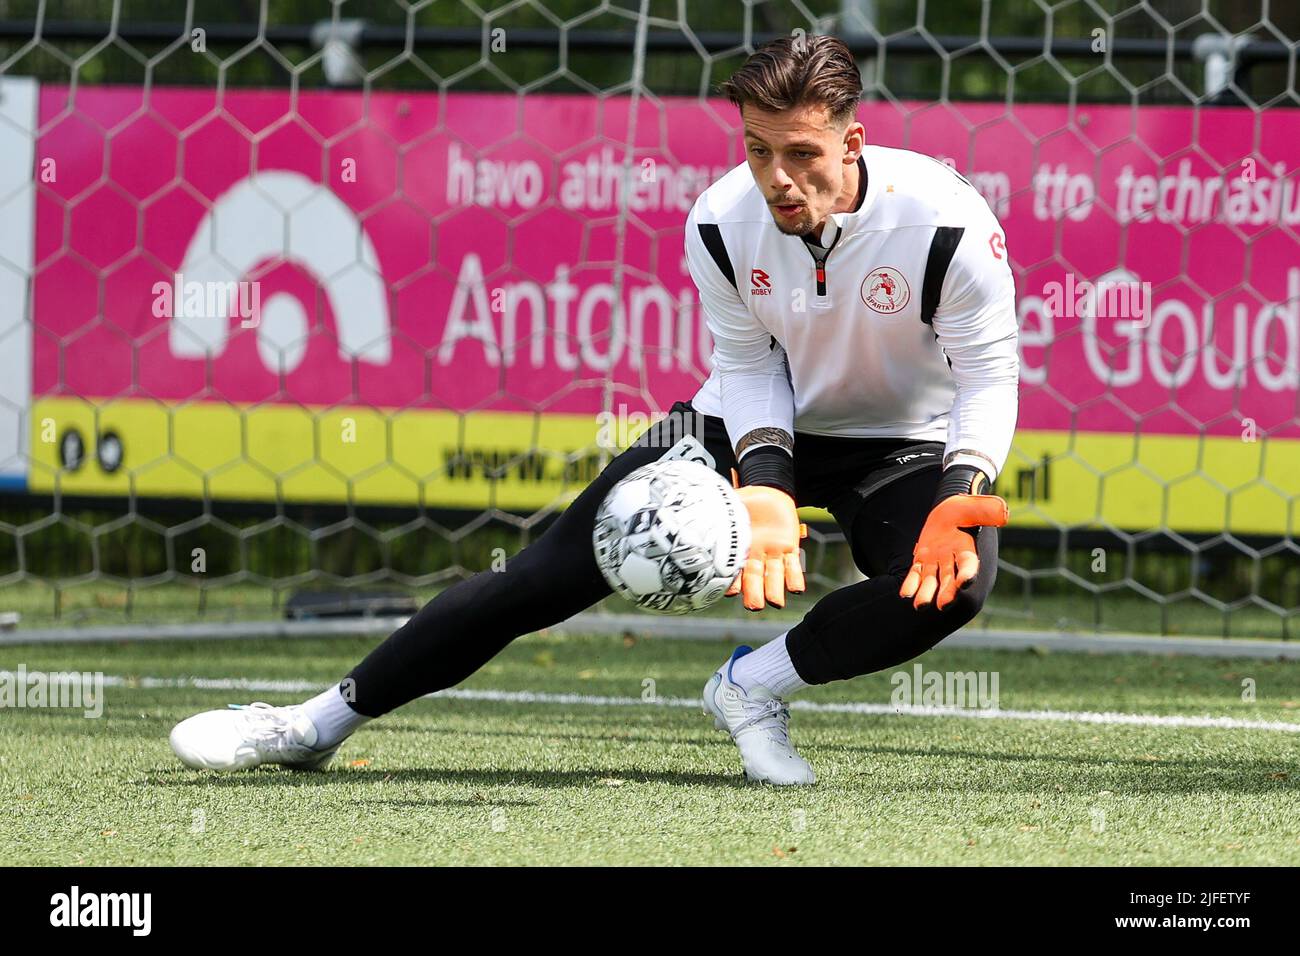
x: 848, y: 198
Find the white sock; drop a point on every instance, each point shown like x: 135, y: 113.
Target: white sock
x: 770, y: 666
x: 334, y: 720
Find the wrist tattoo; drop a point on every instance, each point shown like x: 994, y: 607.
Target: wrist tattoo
x: 765, y: 436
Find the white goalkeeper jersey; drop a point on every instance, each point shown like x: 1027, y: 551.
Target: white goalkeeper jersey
x: 906, y: 329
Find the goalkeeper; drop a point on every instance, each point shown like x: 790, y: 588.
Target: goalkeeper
x: 863, y: 316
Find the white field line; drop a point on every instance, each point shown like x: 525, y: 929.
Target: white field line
x: 590, y: 700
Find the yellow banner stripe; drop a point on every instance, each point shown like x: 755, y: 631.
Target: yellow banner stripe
x: 525, y: 461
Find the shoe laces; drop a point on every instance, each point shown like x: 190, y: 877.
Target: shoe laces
x: 267, y: 726
x: 772, y: 715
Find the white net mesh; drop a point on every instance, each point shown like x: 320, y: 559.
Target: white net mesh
x: 304, y: 295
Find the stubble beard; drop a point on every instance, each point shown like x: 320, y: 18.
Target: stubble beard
x: 800, y: 227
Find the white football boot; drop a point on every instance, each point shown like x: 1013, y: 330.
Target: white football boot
x: 248, y: 736
x: 759, y: 723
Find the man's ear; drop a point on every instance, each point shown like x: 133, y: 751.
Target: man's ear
x: 855, y: 137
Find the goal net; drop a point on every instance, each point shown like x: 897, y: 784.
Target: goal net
x: 292, y: 304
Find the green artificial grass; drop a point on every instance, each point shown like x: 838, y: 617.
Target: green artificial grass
x: 460, y: 781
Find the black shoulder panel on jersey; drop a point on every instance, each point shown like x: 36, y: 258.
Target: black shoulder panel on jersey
x: 712, y: 237
x: 942, y: 248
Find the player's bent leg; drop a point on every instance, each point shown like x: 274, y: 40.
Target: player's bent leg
x: 758, y: 720
x: 866, y: 627
x: 450, y: 638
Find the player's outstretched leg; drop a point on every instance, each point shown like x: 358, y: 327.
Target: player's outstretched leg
x: 450, y: 638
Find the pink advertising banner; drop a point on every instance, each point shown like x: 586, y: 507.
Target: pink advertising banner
x: 466, y: 252
x: 462, y: 249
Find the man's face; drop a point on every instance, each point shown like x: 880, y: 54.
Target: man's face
x: 800, y: 160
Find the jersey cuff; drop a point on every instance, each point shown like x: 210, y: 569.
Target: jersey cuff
x: 769, y: 465
x: 761, y: 444
x: 976, y: 459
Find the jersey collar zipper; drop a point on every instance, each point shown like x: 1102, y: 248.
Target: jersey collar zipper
x: 820, y: 254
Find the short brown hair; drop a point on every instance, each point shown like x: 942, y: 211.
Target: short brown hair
x: 796, y: 71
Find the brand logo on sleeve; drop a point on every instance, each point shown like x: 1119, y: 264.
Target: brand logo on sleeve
x: 760, y: 282
x: 886, y: 291
x: 920, y: 454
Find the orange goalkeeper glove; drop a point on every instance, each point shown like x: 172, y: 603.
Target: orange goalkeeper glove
x: 773, y: 565
x: 945, y: 558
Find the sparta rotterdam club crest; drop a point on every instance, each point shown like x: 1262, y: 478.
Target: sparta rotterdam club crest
x: 886, y: 291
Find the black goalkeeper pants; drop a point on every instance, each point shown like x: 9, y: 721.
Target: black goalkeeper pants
x: 879, y: 490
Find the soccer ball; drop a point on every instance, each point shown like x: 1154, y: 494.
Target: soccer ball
x: 671, y: 536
